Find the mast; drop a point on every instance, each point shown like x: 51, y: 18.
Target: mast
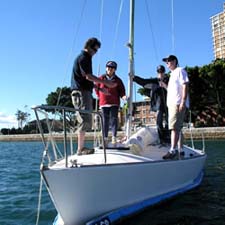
x: 131, y: 69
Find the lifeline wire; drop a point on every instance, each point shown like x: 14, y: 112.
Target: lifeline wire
x: 100, y: 37
x: 69, y: 57
x: 71, y: 50
x: 39, y: 200
x: 96, y: 136
x: 117, y: 28
x: 151, y: 29
x: 172, y: 27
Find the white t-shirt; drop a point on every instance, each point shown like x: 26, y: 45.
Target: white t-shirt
x: 178, y: 77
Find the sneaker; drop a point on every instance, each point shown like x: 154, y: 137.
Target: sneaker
x: 85, y: 151
x: 170, y: 155
x: 182, y: 153
x: 113, y: 140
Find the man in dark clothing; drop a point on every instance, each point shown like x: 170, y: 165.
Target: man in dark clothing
x: 82, y: 83
x: 158, y: 94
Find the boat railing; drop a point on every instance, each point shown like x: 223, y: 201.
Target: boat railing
x: 191, y: 131
x: 46, y: 121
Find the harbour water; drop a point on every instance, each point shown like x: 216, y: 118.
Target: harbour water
x: 20, y: 179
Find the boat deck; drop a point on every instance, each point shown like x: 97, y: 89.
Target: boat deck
x: 118, y: 156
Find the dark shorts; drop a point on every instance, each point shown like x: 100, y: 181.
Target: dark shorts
x: 83, y: 100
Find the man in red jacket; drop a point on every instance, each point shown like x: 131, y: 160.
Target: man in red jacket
x: 109, y: 100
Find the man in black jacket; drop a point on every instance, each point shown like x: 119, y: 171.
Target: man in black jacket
x: 158, y: 94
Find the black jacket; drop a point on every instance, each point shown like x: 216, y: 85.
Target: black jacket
x: 156, y: 93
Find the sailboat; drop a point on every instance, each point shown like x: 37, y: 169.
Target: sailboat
x: 101, y: 188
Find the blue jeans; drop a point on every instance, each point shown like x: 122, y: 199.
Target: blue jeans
x: 110, y: 117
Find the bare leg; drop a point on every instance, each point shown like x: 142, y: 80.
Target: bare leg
x: 180, y: 141
x: 174, y: 138
x: 80, y: 141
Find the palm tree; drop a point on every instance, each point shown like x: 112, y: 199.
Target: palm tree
x: 21, y: 117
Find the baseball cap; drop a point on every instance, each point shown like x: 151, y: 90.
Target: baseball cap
x: 160, y: 69
x: 111, y: 64
x: 170, y: 58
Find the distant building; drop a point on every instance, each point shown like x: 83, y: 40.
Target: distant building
x: 218, y: 33
x: 142, y: 116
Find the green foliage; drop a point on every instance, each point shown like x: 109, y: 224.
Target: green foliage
x: 144, y: 91
x: 207, y: 93
x: 207, y: 98
x: 125, y: 108
x: 21, y: 117
x: 60, y: 97
x: 5, y: 131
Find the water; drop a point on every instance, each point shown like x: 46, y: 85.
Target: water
x: 19, y: 185
x: 204, y: 205
x: 19, y: 189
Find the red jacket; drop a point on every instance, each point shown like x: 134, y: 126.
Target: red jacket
x: 114, y: 93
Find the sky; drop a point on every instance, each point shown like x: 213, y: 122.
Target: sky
x: 41, y: 38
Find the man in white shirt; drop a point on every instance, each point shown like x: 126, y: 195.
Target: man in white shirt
x: 177, y: 102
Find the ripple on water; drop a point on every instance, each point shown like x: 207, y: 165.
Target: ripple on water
x: 19, y: 189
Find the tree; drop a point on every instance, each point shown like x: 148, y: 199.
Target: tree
x: 21, y: 117
x: 5, y: 131
x: 215, y: 74
x: 61, y: 97
x: 207, y: 93
x: 144, y: 91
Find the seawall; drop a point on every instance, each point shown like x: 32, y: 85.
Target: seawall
x: 197, y: 133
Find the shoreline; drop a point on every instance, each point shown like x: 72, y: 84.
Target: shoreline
x: 197, y: 133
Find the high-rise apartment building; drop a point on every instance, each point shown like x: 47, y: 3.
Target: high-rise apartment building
x: 218, y: 32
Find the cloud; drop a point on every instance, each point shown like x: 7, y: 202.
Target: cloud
x: 7, y: 121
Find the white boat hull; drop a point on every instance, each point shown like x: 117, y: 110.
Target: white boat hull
x: 82, y: 193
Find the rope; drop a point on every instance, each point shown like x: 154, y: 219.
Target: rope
x: 117, y: 28
x: 39, y: 200
x: 172, y: 27
x: 71, y: 49
x: 151, y: 29
x: 100, y: 37
x: 101, y: 19
x: 96, y: 133
x: 70, y: 54
x: 44, y: 155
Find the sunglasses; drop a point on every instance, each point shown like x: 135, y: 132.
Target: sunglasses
x: 94, y: 50
x: 169, y: 60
